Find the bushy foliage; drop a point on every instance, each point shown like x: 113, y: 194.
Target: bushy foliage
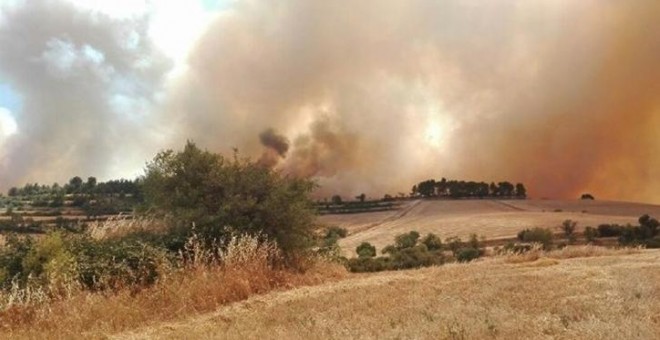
x: 407, y: 253
x: 467, y: 254
x: 69, y: 260
x: 568, y: 227
x: 365, y: 249
x: 646, y: 233
x: 408, y: 240
x: 336, y: 232
x: 590, y: 234
x: 537, y: 235
x: 609, y: 230
x: 220, y: 196
x: 432, y: 242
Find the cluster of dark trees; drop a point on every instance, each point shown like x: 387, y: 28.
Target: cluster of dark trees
x: 77, y: 185
x: 468, y: 189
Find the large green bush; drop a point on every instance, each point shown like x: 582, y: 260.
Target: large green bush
x: 221, y: 196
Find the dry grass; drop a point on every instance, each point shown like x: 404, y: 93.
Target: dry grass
x: 248, y: 267
x: 120, y: 225
x: 567, y: 252
x: 603, y: 297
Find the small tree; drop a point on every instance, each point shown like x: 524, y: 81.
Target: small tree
x: 568, y: 227
x: 365, y: 250
x: 336, y: 199
x: 361, y: 197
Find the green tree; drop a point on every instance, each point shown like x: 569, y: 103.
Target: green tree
x: 90, y: 185
x: 221, y: 196
x: 75, y: 185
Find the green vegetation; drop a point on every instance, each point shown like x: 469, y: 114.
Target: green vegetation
x: 203, y: 201
x: 222, y: 196
x: 537, y: 235
x: 408, y: 252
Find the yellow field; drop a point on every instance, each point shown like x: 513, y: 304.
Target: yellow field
x: 607, y: 297
x: 489, y: 218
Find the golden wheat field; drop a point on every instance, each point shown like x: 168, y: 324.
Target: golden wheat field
x: 489, y: 218
x: 615, y: 295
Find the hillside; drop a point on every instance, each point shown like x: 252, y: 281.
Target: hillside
x: 609, y: 297
x: 489, y: 218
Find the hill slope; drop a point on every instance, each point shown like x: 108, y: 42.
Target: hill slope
x: 610, y: 297
x: 489, y: 218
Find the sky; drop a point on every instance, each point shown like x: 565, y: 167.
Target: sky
x: 369, y: 96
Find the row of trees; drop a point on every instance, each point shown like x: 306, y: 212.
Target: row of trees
x: 77, y: 185
x: 468, y: 189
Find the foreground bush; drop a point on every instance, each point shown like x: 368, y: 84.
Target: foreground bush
x: 223, y: 196
x: 246, y: 266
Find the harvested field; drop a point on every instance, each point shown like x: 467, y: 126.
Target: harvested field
x: 489, y: 218
x: 608, y: 297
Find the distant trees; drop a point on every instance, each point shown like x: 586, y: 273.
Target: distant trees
x: 587, y: 197
x: 468, y: 189
x: 76, y: 186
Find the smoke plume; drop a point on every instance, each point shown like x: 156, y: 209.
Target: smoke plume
x: 276, y: 147
x: 372, y: 95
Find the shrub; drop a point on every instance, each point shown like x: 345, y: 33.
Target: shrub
x: 537, y: 235
x: 454, y: 244
x: 408, y: 240
x: 609, y: 230
x: 432, y: 242
x: 568, y: 227
x: 365, y: 250
x: 467, y: 254
x: 590, y: 234
x: 415, y: 257
x: 336, y: 232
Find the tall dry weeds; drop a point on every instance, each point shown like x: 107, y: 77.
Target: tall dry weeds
x: 247, y: 266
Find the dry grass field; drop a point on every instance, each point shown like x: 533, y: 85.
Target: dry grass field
x: 489, y: 218
x: 613, y: 296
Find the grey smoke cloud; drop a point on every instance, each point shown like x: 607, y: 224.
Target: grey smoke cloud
x: 87, y: 83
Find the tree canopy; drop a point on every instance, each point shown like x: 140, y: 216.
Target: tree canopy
x: 221, y: 196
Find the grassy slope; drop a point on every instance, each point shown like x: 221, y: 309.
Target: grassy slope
x: 609, y: 297
x: 489, y: 218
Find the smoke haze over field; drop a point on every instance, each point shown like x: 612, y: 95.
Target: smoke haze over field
x: 368, y: 96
